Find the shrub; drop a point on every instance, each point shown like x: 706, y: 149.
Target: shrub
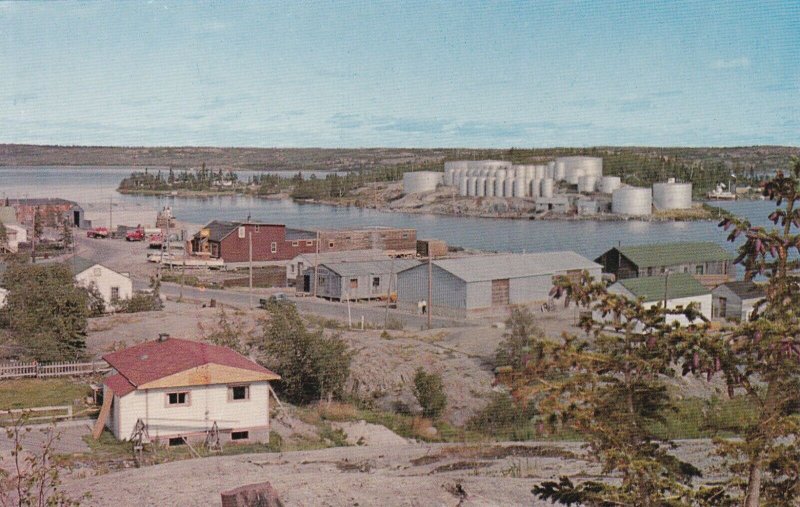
x: 502, y: 416
x: 429, y: 391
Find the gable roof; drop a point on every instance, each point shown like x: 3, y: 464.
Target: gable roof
x: 79, y: 264
x: 220, y: 229
x: 157, y: 359
x: 651, y: 288
x: 670, y: 254
x: 374, y: 267
x: 8, y: 215
x: 745, y: 290
x: 299, y: 234
x: 477, y: 268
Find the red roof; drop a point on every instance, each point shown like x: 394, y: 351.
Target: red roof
x: 119, y: 385
x: 157, y: 359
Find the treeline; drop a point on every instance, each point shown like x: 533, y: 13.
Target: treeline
x: 337, y: 186
x: 202, y: 179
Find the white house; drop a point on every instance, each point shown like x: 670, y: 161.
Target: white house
x: 15, y: 234
x: 679, y: 290
x: 113, y: 286
x: 184, y: 389
x: 736, y: 300
x: 296, y: 267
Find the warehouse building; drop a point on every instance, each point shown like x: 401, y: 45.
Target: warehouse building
x: 356, y: 280
x: 736, y: 300
x: 487, y: 284
x: 708, y: 262
x: 679, y: 290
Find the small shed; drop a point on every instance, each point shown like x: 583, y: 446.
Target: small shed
x: 556, y: 204
x: 433, y: 247
x: 357, y: 280
x: 296, y: 267
x: 112, y: 286
x: 679, y: 290
x: 736, y: 300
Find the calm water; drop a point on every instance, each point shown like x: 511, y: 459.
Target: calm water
x: 97, y: 184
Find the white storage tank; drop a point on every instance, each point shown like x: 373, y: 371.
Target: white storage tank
x: 490, y: 186
x: 471, y: 185
x: 632, y: 201
x: 587, y: 184
x: 421, y: 181
x: 574, y: 175
x: 551, y: 169
x: 540, y: 171
x: 499, y: 183
x: 560, y: 173
x: 672, y: 195
x: 501, y: 173
x: 589, y: 166
x: 519, y: 187
x: 508, y: 187
x: 610, y: 183
x: 463, y: 186
x: 535, y: 189
x: 548, y: 184
x: 480, y: 186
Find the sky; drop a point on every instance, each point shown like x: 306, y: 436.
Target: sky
x: 400, y: 74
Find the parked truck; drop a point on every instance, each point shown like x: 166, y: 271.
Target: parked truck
x: 97, y: 232
x: 135, y: 235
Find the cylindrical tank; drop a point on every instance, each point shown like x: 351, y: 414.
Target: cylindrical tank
x: 539, y: 172
x: 480, y: 186
x: 463, y: 186
x: 574, y: 175
x: 560, y: 173
x: 499, y: 183
x: 551, y: 169
x: 587, y: 166
x: 610, y: 183
x: 470, y: 185
x: 530, y: 172
x: 587, y: 184
x: 519, y: 187
x: 671, y: 195
x: 501, y: 173
x: 632, y: 201
x: 508, y: 187
x: 490, y: 183
x: 548, y: 184
x: 536, y: 187
x: 420, y: 181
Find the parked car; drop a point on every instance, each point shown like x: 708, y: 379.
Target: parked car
x: 97, y: 232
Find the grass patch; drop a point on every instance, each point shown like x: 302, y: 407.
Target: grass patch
x: 35, y: 392
x: 697, y: 418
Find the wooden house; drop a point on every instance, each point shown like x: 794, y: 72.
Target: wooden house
x: 736, y: 300
x: 357, y: 280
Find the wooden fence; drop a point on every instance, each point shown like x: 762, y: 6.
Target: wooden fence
x: 38, y: 413
x: 34, y: 369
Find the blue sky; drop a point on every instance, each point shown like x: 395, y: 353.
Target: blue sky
x: 400, y: 73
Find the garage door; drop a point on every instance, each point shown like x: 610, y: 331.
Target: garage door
x: 500, y: 292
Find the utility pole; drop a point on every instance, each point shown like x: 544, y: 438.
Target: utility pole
x: 429, y: 304
x: 666, y: 290
x: 388, y: 296
x: 316, y: 264
x: 250, y: 267
x: 110, y: 216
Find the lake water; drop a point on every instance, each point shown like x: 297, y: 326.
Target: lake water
x: 92, y: 187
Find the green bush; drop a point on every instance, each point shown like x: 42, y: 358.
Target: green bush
x: 503, y: 417
x: 429, y: 391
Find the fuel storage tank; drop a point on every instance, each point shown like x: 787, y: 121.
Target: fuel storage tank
x: 672, y: 195
x: 587, y: 184
x: 575, y: 167
x: 632, y: 201
x: 609, y: 183
x: 421, y: 181
x: 547, y: 187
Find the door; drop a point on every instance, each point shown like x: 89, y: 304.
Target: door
x: 76, y: 218
x: 500, y: 292
x: 722, y: 309
x: 306, y: 283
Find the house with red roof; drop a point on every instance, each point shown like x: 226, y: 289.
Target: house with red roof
x: 182, y: 389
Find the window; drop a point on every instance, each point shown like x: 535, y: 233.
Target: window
x: 97, y: 271
x: 330, y: 244
x: 295, y: 243
x: 240, y: 435
x: 114, y: 293
x: 273, y: 247
x: 376, y: 282
x: 292, y: 268
x: 698, y: 270
x: 309, y: 243
x: 238, y: 393
x: 405, y: 235
x: 258, y: 228
x: 354, y: 283
x: 241, y: 232
x: 177, y: 399
x: 176, y: 441
x: 321, y: 280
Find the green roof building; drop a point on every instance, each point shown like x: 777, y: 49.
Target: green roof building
x: 679, y: 290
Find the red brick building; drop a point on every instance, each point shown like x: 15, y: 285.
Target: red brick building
x: 230, y: 241
x: 52, y: 210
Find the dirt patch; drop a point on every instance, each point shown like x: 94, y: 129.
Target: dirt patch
x: 460, y: 465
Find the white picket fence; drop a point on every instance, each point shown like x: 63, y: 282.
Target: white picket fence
x: 34, y: 369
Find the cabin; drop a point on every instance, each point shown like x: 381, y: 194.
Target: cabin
x: 231, y: 242
x: 708, y: 262
x: 478, y: 285
x: 356, y: 280
x: 181, y: 390
x: 295, y: 268
x: 679, y: 290
x: 736, y: 300
x: 114, y: 287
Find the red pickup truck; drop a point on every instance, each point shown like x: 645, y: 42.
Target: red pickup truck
x: 97, y: 232
x: 135, y: 235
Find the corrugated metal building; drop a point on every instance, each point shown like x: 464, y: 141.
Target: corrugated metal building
x: 486, y: 284
x: 679, y: 290
x: 357, y: 280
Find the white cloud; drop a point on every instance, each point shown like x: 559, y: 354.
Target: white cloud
x: 733, y: 63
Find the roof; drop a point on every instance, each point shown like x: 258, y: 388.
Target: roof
x: 119, y: 385
x: 745, y: 290
x: 219, y: 229
x: 478, y: 268
x: 296, y: 234
x: 370, y: 267
x: 652, y: 288
x: 157, y: 359
x: 344, y: 256
x: 41, y: 201
x: 79, y: 264
x: 8, y: 215
x: 369, y: 228
x: 670, y: 254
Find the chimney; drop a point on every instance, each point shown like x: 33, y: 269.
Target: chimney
x: 162, y: 337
